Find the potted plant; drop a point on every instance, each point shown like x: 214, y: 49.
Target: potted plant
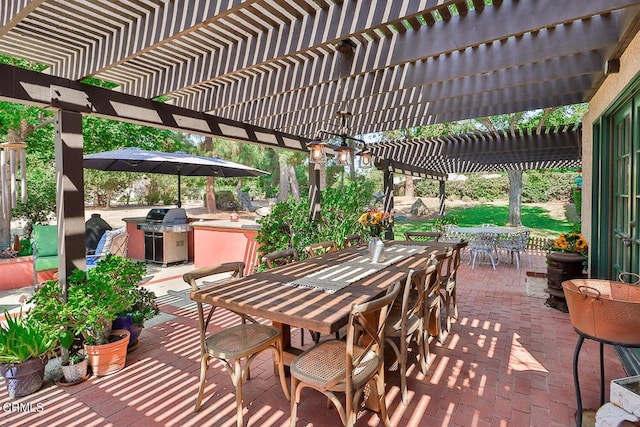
x: 374, y: 223
x: 74, y: 369
x: 24, y: 348
x: 144, y: 308
x: 565, y: 261
x: 93, y: 301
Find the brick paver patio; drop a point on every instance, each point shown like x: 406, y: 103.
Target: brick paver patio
x: 507, y: 362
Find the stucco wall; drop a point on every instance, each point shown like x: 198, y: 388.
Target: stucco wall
x: 606, y: 95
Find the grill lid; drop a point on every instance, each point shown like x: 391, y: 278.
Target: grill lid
x: 167, y: 216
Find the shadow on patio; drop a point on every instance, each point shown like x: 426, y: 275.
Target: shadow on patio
x: 507, y: 361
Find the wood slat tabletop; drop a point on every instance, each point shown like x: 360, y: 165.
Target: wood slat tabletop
x: 266, y: 294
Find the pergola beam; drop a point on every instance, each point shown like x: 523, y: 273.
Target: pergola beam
x: 20, y: 85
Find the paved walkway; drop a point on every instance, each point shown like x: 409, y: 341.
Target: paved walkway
x: 507, y: 362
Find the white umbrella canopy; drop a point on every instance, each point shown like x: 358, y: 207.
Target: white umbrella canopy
x: 133, y: 159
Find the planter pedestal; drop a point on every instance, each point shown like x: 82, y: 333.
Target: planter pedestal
x: 561, y: 266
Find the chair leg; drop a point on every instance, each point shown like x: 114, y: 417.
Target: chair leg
x: 403, y: 370
x: 381, y: 401
x: 295, y: 398
x: 237, y: 379
x: 204, y: 365
x: 473, y: 262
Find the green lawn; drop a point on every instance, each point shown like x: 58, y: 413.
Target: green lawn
x: 536, y: 218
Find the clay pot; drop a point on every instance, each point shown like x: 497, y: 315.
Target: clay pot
x: 604, y: 309
x: 106, y: 359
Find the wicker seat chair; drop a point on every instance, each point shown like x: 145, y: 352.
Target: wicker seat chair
x: 321, y: 248
x: 423, y: 236
x: 404, y: 323
x: 432, y: 316
x: 449, y: 286
x: 353, y: 240
x: 337, y: 366
x: 236, y: 346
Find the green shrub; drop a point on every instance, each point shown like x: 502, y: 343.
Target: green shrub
x: 289, y: 226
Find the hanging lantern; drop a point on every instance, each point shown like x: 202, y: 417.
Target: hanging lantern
x: 343, y: 155
x: 366, y: 159
x: 317, y: 153
x: 14, y: 155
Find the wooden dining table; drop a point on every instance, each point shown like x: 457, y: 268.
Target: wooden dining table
x: 273, y: 294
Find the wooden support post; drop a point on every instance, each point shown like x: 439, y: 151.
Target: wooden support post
x: 314, y: 192
x: 70, y: 198
x: 388, y: 198
x: 442, y: 197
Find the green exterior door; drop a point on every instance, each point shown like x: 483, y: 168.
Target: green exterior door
x: 625, y: 197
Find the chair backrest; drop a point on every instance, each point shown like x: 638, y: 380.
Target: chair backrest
x: 320, y: 248
x: 353, y: 240
x: 278, y: 258
x: 443, y: 263
x: 361, y: 330
x: 455, y: 262
x: 235, y: 268
x: 415, y: 284
x: 422, y: 236
x: 45, y: 240
x: 483, y: 241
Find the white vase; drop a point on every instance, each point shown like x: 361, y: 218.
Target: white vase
x: 376, y: 249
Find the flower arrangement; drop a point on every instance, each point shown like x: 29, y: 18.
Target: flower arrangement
x: 572, y: 242
x: 375, y: 221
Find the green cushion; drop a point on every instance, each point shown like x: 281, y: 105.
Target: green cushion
x: 46, y: 263
x: 45, y: 238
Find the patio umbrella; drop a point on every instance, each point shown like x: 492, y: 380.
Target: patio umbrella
x: 132, y: 159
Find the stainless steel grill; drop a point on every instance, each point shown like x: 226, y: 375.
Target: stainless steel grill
x: 166, y: 236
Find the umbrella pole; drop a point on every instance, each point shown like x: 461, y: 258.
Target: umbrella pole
x: 179, y: 196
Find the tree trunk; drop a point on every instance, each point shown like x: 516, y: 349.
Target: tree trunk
x: 293, y: 182
x: 210, y: 194
x: 515, y: 197
x: 284, y: 180
x: 5, y: 221
x: 408, y: 186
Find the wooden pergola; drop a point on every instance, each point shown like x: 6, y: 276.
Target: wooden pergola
x: 275, y: 72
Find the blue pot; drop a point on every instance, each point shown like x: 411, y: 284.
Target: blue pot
x: 126, y: 322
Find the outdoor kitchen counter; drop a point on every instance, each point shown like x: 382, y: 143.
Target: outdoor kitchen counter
x: 135, y: 244
x: 218, y: 241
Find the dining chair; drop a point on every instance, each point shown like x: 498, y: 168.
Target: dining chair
x: 278, y: 258
x: 353, y: 240
x: 449, y: 287
x: 483, y: 243
x: 514, y: 244
x: 432, y: 315
x: 404, y: 323
x: 321, y: 248
x: 236, y: 346
x: 423, y: 236
x: 339, y: 366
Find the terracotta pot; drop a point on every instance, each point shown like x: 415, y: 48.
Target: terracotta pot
x: 106, y: 359
x: 23, y: 378
x: 604, y: 309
